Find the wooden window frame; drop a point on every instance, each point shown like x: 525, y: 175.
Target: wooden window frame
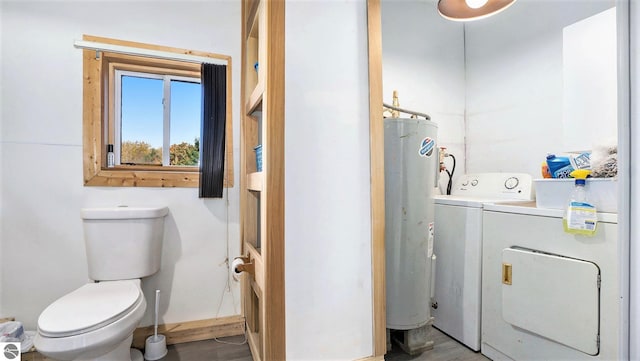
x: 98, y: 112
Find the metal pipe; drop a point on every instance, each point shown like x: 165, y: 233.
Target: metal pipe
x: 426, y: 116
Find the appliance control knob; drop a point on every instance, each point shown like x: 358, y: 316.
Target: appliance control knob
x: 465, y: 183
x: 511, y: 183
x: 474, y: 182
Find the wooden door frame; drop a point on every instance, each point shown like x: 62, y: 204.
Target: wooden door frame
x: 376, y: 144
x: 274, y: 187
x: 272, y: 297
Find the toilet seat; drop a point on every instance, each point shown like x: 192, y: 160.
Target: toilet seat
x: 90, y: 307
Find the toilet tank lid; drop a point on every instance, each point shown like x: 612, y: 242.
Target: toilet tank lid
x: 123, y: 212
x: 90, y: 307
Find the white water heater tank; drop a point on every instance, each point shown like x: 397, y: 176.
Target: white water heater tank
x: 411, y: 165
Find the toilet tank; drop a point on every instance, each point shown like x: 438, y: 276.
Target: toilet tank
x: 123, y: 242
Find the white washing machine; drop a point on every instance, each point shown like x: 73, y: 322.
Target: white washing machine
x: 547, y: 294
x: 458, y: 247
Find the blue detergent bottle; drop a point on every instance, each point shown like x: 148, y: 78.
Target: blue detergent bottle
x: 559, y: 167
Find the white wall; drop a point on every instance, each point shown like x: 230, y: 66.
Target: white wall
x: 514, y: 84
x: 327, y: 205
x: 1, y: 172
x: 590, y: 81
x: 41, y: 185
x: 634, y: 292
x: 423, y: 58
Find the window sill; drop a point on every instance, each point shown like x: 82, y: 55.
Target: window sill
x: 153, y: 168
x: 123, y: 177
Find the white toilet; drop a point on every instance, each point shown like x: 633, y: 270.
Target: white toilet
x: 96, y: 321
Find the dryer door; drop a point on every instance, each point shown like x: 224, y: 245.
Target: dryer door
x: 552, y: 296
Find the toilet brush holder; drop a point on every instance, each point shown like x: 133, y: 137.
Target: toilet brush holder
x: 155, y: 347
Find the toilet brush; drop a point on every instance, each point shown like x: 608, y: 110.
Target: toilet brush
x: 155, y: 321
x: 156, y: 345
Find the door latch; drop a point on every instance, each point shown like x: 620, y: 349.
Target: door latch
x: 506, y: 273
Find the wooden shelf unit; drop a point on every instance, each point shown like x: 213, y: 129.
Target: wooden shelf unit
x: 262, y: 192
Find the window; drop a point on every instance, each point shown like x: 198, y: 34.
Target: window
x: 149, y: 111
x: 157, y: 119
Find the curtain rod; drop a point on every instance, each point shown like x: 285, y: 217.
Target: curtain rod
x: 127, y: 50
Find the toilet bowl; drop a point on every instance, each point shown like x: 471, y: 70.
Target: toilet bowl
x: 96, y: 321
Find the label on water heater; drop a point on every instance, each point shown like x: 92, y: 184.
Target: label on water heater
x: 426, y: 147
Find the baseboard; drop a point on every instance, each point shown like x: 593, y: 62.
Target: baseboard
x: 192, y: 330
x: 372, y: 358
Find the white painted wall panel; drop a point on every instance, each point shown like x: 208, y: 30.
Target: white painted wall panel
x: 1, y: 171
x: 327, y: 200
x: 423, y: 58
x: 41, y: 142
x: 590, y: 81
x: 634, y: 219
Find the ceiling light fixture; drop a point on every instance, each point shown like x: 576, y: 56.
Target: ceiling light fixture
x: 476, y: 4
x: 467, y: 10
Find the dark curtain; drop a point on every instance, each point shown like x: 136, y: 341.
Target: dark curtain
x: 214, y: 113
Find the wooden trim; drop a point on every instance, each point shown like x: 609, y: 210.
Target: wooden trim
x: 134, y: 44
x: 372, y: 358
x: 92, y: 115
x: 274, y: 291
x: 140, y: 167
x: 244, y: 200
x: 96, y: 105
x: 135, y: 178
x: 249, y: 284
x: 192, y: 331
x: 113, y: 66
x: 376, y: 141
x: 161, y: 64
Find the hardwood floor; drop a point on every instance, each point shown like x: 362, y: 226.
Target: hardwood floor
x: 445, y: 349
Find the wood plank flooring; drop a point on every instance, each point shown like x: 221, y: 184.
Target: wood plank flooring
x: 445, y: 349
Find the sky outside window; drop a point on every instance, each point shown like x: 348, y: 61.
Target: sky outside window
x: 186, y: 107
x: 142, y: 110
x: 142, y: 121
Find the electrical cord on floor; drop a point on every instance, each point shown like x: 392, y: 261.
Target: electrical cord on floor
x: 453, y: 170
x: 232, y: 343
x: 227, y: 286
